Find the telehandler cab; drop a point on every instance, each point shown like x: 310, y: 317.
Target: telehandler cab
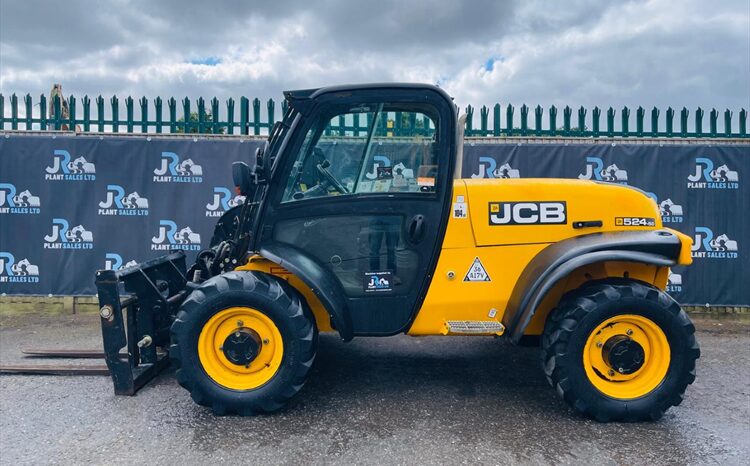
x: 370, y: 231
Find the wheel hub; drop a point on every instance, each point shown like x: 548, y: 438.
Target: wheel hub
x: 242, y: 346
x: 623, y: 354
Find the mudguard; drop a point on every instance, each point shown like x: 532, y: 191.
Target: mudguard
x: 321, y: 282
x: 555, y: 262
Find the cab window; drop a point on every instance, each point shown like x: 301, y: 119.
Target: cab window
x: 375, y: 148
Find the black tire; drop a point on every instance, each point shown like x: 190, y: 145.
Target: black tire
x: 580, y: 312
x: 269, y: 295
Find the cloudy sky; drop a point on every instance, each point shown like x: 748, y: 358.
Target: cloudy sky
x: 590, y: 52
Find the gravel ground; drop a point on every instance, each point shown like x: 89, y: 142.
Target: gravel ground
x: 397, y: 400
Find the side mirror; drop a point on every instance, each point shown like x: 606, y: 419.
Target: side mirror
x: 242, y: 177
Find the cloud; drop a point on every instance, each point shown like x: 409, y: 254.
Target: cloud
x: 580, y: 52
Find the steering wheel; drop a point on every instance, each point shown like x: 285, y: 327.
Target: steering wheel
x: 323, y: 170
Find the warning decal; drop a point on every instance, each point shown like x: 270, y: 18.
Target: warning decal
x: 477, y: 272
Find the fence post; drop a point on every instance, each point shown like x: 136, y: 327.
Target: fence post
x: 186, y: 115
x: 57, y: 105
x: 42, y: 112
x: 71, y: 113
x: 640, y: 114
x: 13, y: 111
x: 230, y: 116
x: 496, y: 120
x: 271, y: 107
x: 538, y: 113
x: 552, y: 120
x: 625, y: 121
x: 743, y: 123
x: 468, y: 129
x: 2, y: 112
x: 699, y: 122
x: 158, y: 114
x: 215, y: 115
x: 342, y: 124
x: 100, y: 113
x: 524, y: 119
x: 29, y: 111
x: 610, y: 122
x: 172, y: 104
x: 596, y: 113
x: 356, y: 123
x: 670, y: 122
x: 244, y: 114
x: 567, y: 113
x: 713, y: 119
x: 727, y: 123
x: 86, y: 113
x: 201, y: 115
x: 256, y: 116
x: 144, y: 114
x: 684, y: 122
x: 115, y: 114
x: 509, y: 120
x: 654, y: 122
x: 582, y: 121
x: 129, y: 111
x: 484, y: 114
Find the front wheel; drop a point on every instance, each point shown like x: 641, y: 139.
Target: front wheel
x: 243, y: 343
x: 620, y: 350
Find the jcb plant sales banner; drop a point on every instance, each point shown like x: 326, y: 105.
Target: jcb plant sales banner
x: 72, y: 205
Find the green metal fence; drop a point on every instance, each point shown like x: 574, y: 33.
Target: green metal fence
x: 181, y: 117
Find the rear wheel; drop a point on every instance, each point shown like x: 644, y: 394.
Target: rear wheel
x: 244, y: 343
x: 620, y: 350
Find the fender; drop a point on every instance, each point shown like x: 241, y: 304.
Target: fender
x: 321, y: 282
x: 555, y: 262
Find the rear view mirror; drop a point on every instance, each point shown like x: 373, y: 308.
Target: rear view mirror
x: 242, y: 177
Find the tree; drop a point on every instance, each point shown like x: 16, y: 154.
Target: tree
x: 208, y: 127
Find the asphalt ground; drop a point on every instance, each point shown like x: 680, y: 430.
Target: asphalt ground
x: 396, y: 400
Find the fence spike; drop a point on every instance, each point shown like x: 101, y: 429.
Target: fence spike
x: 596, y: 113
x: 713, y: 119
x: 158, y: 115
x: 699, y: 122
x: 538, y: 114
x: 143, y: 101
x: 727, y: 123
x: 29, y: 111
x: 654, y: 122
x: 684, y: 122
x: 524, y: 119
x: 640, y: 115
x: 509, y: 120
x: 86, y: 101
x: 496, y: 120
x: 230, y: 116
x: 552, y: 120
x: 567, y: 113
x: 100, y: 113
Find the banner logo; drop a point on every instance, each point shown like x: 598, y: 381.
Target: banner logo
x: 527, y: 213
x: 487, y: 169
x: 172, y: 170
x: 117, y: 203
x: 706, y: 177
x: 670, y: 212
x: 674, y: 282
x: 63, y: 169
x: 12, y: 203
x: 22, y: 271
x: 170, y: 237
x: 113, y: 261
x: 708, y: 245
x: 595, y: 171
x: 64, y: 237
x: 222, y: 202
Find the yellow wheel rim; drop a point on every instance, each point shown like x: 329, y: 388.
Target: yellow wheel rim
x: 642, y: 381
x: 231, y: 375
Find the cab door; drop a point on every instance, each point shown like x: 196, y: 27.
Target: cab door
x: 363, y: 190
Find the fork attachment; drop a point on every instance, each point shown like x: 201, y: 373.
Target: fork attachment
x: 137, y: 306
